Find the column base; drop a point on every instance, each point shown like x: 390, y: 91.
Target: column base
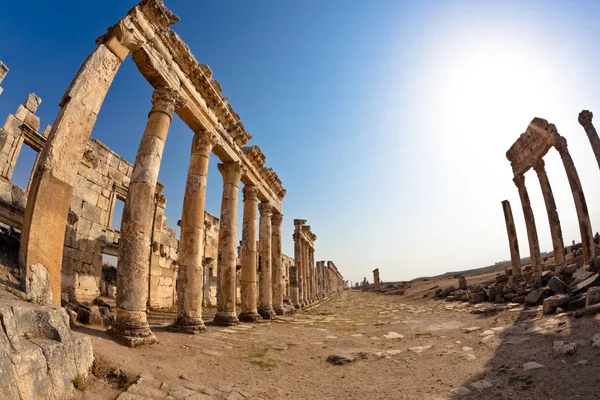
x: 250, y: 316
x: 225, y: 318
x: 298, y: 305
x: 132, y: 329
x: 188, y: 325
x: 266, y: 312
x: 279, y: 309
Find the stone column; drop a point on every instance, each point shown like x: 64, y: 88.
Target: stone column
x: 265, y: 307
x: 277, y: 264
x: 301, y: 274
x: 376, y: 277
x: 513, y: 242
x: 49, y: 197
x: 585, y: 119
x: 305, y: 273
x: 585, y: 227
x: 226, y: 285
x: 136, y: 227
x: 248, y: 274
x: 191, y: 243
x: 534, y: 246
x: 295, y: 274
x: 553, y: 219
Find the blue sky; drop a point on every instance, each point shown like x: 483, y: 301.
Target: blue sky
x: 387, y: 121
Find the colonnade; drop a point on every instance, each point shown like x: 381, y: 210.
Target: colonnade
x: 526, y: 153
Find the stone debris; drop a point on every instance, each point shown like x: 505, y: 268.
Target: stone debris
x: 481, y: 385
x: 559, y: 347
x: 393, y: 335
x: 345, y: 358
x: 532, y: 365
x: 420, y: 349
x: 596, y: 341
x: 460, y: 391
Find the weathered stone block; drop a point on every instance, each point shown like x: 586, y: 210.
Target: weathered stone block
x: 30, y: 366
x: 32, y: 102
x: 554, y: 302
x: 593, y: 295
x: 557, y: 286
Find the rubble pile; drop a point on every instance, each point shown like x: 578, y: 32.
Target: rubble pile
x: 571, y: 287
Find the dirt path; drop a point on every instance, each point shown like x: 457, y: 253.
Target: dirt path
x: 405, y: 349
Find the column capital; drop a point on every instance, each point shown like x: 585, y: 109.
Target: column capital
x: 250, y: 192
x: 299, y: 222
x: 585, y: 118
x: 519, y: 180
x: 167, y: 100
x: 265, y: 209
x: 204, y: 141
x: 231, y: 172
x: 276, y: 219
x: 560, y: 143
x: 539, y: 166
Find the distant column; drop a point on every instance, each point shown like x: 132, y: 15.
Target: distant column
x: 305, y: 273
x: 277, y: 264
x: 585, y: 226
x: 131, y: 324
x: 295, y: 278
x: 191, y: 243
x: 553, y: 219
x: 534, y: 246
x: 226, y: 267
x: 265, y: 307
x: 248, y: 276
x: 376, y: 277
x: 513, y: 242
x: 585, y: 119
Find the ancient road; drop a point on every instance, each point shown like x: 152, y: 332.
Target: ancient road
x: 397, y: 348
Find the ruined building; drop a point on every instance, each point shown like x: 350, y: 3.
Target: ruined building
x: 66, y: 213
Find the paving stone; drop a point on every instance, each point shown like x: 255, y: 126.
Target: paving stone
x: 532, y: 365
x: 146, y: 391
x: 481, y: 385
x: 181, y: 393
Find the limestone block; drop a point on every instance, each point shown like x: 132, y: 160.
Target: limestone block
x: 8, y: 383
x: 21, y: 113
x: 32, y: 102
x: 557, y: 286
x: 37, y: 284
x: 82, y: 347
x: 42, y: 321
x: 103, y: 202
x: 554, y: 302
x: 89, y: 195
x: 91, y: 211
x: 86, y: 287
x: 30, y: 366
x: 6, y: 191
x: 12, y: 125
x: 60, y: 359
x: 97, y: 230
x: 593, y: 295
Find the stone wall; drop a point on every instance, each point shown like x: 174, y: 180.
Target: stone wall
x: 102, y: 179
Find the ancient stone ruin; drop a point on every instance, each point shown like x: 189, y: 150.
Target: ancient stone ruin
x: 65, y: 217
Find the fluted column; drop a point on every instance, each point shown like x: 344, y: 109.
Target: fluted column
x: 585, y: 226
x: 585, y: 119
x: 534, y: 246
x: 295, y: 278
x: 226, y: 285
x: 265, y: 306
x: 248, y: 275
x: 191, y: 243
x: 553, y: 219
x: 136, y: 226
x: 277, y: 264
x: 513, y: 242
x: 305, y: 273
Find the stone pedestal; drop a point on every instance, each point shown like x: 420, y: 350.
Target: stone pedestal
x: 191, y: 243
x: 265, y: 306
x: 553, y: 219
x: 249, y: 299
x: 534, y: 246
x: 136, y: 227
x: 585, y: 226
x: 513, y: 242
x: 277, y: 264
x: 226, y: 286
